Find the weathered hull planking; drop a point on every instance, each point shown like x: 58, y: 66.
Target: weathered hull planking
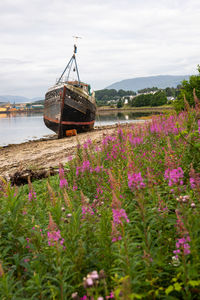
x: 67, y: 108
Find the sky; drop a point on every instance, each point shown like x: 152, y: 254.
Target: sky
x: 120, y: 39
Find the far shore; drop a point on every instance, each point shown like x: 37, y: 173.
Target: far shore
x: 135, y: 109
x: 102, y: 110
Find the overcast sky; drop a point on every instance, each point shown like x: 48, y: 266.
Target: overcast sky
x: 120, y: 40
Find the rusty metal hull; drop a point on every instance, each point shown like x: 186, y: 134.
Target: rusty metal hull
x: 65, y: 110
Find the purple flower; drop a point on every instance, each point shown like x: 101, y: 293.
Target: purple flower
x: 174, y: 176
x: 75, y: 187
x: 87, y: 210
x: 63, y: 181
x: 182, y: 246
x: 135, y: 180
x: 192, y: 183
x: 136, y: 140
x: 54, y: 236
x: 86, y: 165
x: 111, y: 296
x: 116, y: 238
x: 119, y: 214
x: 32, y: 196
x: 87, y: 144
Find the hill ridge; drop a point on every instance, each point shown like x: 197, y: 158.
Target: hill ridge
x: 159, y: 81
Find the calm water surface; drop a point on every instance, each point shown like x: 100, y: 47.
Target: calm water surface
x: 15, y: 129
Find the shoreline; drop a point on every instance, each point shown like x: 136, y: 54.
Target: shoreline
x: 47, y: 153
x: 101, y: 110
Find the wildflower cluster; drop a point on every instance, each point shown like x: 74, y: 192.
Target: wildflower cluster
x: 118, y: 215
x: 174, y: 176
x: 54, y: 238
x: 32, y: 196
x: 111, y: 210
x: 135, y: 180
x: 182, y: 246
x: 53, y: 234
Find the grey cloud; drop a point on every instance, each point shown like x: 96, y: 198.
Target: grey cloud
x: 121, y: 39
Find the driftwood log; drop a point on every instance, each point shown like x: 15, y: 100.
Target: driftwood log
x: 21, y: 177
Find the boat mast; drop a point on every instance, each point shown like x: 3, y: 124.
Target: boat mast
x: 70, y: 63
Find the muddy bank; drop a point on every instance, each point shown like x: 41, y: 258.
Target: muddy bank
x: 46, y: 153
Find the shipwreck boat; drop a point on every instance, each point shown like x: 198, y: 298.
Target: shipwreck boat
x: 69, y: 104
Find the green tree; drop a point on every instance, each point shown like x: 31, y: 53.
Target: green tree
x: 119, y: 103
x: 142, y: 100
x: 148, y: 90
x: 187, y: 91
x: 170, y: 92
x: 159, y: 99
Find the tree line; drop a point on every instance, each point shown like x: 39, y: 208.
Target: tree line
x: 157, y: 99
x: 145, y: 97
x: 105, y: 95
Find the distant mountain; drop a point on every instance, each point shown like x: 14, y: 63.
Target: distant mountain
x: 37, y: 99
x: 160, y: 81
x: 18, y: 99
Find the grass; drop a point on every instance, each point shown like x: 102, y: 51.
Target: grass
x: 120, y: 221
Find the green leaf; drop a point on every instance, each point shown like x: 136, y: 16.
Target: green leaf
x: 177, y: 286
x: 197, y: 145
x: 194, y: 283
x: 136, y: 296
x: 169, y: 289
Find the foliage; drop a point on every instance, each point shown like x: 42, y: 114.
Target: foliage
x: 148, y: 90
x: 187, y: 92
x: 119, y: 103
x: 156, y: 99
x: 120, y: 221
x: 103, y: 96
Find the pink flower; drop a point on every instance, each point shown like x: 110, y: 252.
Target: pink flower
x: 63, y: 181
x: 87, y: 210
x: 85, y: 165
x: 111, y: 296
x: 135, y: 180
x: 87, y: 144
x: 116, y: 238
x: 32, y: 196
x: 192, y: 183
x: 182, y: 246
x: 119, y: 214
x: 186, y: 249
x: 98, y: 169
x: 75, y: 187
x: 136, y: 140
x: 54, y: 236
x: 174, y: 176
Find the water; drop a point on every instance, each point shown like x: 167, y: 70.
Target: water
x: 19, y: 128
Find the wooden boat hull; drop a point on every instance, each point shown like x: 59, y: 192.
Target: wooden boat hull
x: 65, y: 109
